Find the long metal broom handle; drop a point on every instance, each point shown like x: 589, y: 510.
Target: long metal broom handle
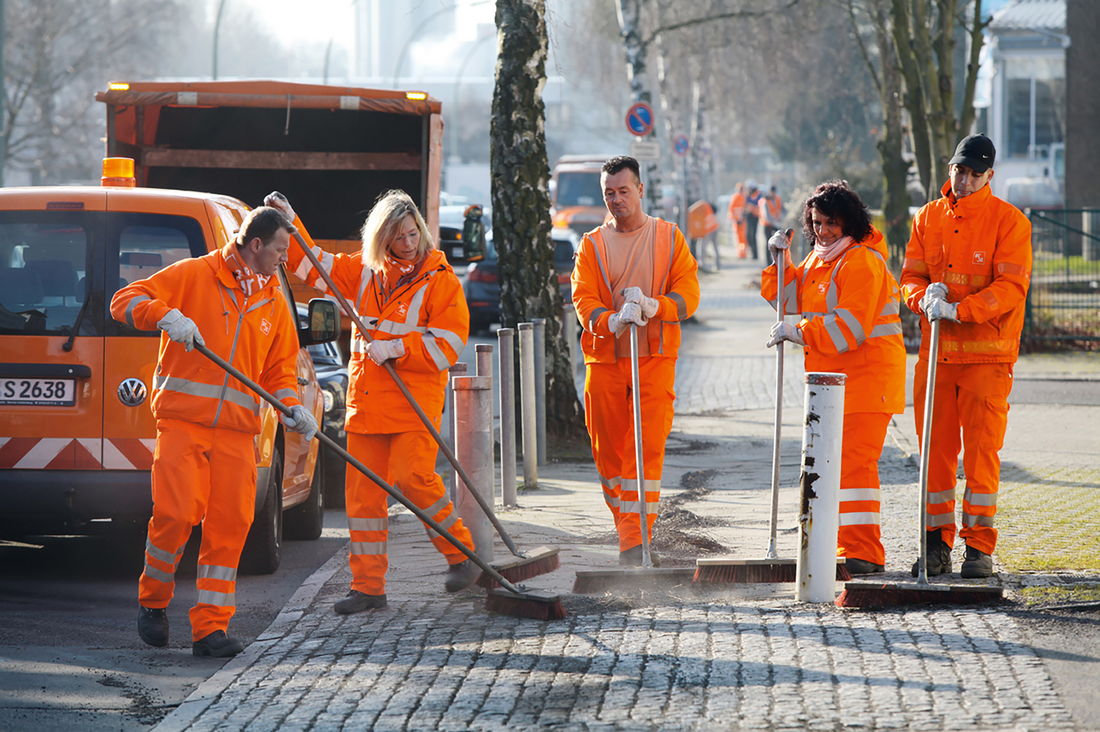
x: 443, y: 446
x: 773, y: 524
x: 639, y: 460
x: 335, y: 447
x: 925, y: 445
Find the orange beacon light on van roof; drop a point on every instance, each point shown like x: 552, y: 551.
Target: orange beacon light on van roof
x: 118, y: 172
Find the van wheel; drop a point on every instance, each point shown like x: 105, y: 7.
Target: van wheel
x: 305, y: 521
x: 263, y: 548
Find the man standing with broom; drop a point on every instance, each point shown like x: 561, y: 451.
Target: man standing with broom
x: 967, y: 265
x: 635, y: 270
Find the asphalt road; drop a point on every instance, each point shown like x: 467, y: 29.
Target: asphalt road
x: 70, y: 657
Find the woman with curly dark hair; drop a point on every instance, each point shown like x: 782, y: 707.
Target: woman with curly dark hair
x: 848, y: 303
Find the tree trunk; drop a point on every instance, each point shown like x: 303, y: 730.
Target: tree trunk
x: 630, y: 29
x: 521, y: 203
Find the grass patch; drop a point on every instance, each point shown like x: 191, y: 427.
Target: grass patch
x: 1052, y: 594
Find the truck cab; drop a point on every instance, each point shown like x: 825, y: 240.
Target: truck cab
x: 576, y: 200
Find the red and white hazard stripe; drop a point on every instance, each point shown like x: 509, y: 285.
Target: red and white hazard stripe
x: 79, y: 453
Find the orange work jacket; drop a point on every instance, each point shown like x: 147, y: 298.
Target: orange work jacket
x: 675, y: 285
x: 850, y: 322
x: 980, y: 247
x: 737, y: 206
x: 429, y: 314
x: 256, y: 334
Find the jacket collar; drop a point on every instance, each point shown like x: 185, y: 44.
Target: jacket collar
x: 219, y: 264
x: 970, y: 205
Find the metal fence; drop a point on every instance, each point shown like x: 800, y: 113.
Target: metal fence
x: 1063, y: 305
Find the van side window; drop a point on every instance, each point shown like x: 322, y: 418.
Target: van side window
x: 44, y: 259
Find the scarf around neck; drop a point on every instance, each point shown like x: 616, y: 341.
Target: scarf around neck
x: 397, y: 272
x: 830, y: 252
x: 249, y: 281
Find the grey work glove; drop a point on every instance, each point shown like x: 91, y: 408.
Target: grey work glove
x: 300, y: 421
x: 935, y: 291
x: 280, y: 203
x: 630, y: 312
x: 382, y: 351
x: 780, y: 241
x: 784, y: 331
x: 939, y: 309
x: 181, y: 329
x: 648, y: 304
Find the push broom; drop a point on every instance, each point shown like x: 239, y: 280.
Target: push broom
x: 509, y: 600
x: 864, y: 594
x: 772, y: 568
x: 524, y: 565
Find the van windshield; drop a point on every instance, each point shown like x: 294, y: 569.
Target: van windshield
x: 579, y: 189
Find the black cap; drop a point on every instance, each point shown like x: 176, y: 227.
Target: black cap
x: 975, y: 152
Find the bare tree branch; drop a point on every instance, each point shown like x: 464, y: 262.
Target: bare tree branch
x: 731, y: 15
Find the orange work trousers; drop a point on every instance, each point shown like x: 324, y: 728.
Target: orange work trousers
x: 860, y: 534
x: 609, y: 416
x: 200, y: 475
x: 405, y: 460
x: 741, y: 239
x: 971, y: 399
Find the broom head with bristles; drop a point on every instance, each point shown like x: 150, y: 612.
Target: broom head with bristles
x: 632, y: 578
x: 538, y: 561
x: 727, y: 570
x: 864, y: 594
x: 534, y: 604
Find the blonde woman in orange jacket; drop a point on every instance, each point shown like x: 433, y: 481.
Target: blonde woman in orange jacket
x: 204, y: 463
x: 406, y: 293
x: 848, y: 302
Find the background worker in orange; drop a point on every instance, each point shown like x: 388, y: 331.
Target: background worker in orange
x: 849, y: 304
x: 204, y: 463
x: 752, y: 216
x: 968, y: 264
x: 736, y: 215
x: 771, y: 213
x: 408, y: 295
x: 634, y: 269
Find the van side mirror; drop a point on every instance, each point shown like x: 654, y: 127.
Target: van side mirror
x: 473, y: 234
x: 324, y: 323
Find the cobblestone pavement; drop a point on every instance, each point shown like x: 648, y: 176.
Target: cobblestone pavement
x: 745, y: 657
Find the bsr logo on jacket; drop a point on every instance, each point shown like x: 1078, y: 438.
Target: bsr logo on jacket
x: 265, y: 326
x: 979, y: 257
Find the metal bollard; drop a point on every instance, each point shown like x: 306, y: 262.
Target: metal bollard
x: 459, y: 369
x: 819, y: 518
x: 473, y: 423
x: 506, y: 356
x: 527, y: 404
x: 569, y: 333
x: 483, y: 365
x: 540, y: 389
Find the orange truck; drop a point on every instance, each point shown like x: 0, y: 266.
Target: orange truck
x: 76, y: 431
x: 576, y: 198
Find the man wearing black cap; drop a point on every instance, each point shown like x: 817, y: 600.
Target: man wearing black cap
x: 968, y: 265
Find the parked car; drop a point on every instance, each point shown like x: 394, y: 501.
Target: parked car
x: 451, y: 221
x: 332, y: 375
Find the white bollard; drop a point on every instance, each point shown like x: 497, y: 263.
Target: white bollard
x: 483, y: 364
x: 506, y: 356
x: 819, y: 519
x: 459, y: 369
x: 473, y: 399
x: 540, y: 389
x: 569, y: 333
x: 527, y: 404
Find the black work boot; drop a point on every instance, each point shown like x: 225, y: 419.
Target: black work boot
x: 461, y: 575
x: 357, y: 602
x: 862, y: 566
x: 217, y: 645
x: 632, y: 557
x: 938, y: 555
x: 153, y: 625
x: 976, y: 564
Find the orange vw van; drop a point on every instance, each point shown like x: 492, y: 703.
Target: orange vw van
x: 76, y: 430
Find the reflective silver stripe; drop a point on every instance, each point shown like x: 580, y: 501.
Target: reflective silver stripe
x: 611, y: 482
x: 214, y: 571
x: 611, y: 500
x: 833, y: 329
x: 886, y: 329
x: 599, y: 262
x: 980, y: 499
x: 157, y: 553
x: 892, y: 307
x: 791, y: 297
x: 445, y: 524
x: 159, y: 575
x: 358, y: 345
x: 853, y: 324
x: 651, y: 485
x: 859, y: 518
x: 221, y: 599
x: 417, y: 303
x: 594, y: 316
x: 396, y: 328
x: 368, y: 524
x: 945, y: 496
x: 942, y: 519
x: 260, y: 304
x: 636, y: 507
x: 130, y: 307
x: 859, y: 494
x: 282, y: 394
x: 438, y: 506
x: 454, y: 339
x: 681, y: 305
x: 365, y: 278
x: 972, y: 520
x: 208, y: 391
x: 438, y: 357
x: 368, y: 548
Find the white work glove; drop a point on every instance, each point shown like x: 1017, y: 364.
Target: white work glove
x: 300, y: 421
x: 630, y: 312
x: 935, y: 291
x: 181, y: 329
x: 280, y: 203
x: 649, y: 304
x: 382, y: 351
x: 940, y: 309
x: 784, y: 331
x: 780, y: 241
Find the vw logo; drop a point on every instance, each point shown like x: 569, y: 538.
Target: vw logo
x: 132, y: 392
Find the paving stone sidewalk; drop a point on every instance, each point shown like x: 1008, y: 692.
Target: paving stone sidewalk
x: 744, y: 657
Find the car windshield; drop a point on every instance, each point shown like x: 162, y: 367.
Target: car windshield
x: 579, y: 189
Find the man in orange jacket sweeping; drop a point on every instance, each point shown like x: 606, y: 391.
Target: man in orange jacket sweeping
x: 634, y: 270
x: 968, y: 264
x: 204, y: 463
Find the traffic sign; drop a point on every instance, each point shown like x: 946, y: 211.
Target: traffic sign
x: 639, y: 119
x: 681, y: 145
x: 645, y: 150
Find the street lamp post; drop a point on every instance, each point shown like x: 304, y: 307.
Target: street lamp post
x: 217, y: 30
